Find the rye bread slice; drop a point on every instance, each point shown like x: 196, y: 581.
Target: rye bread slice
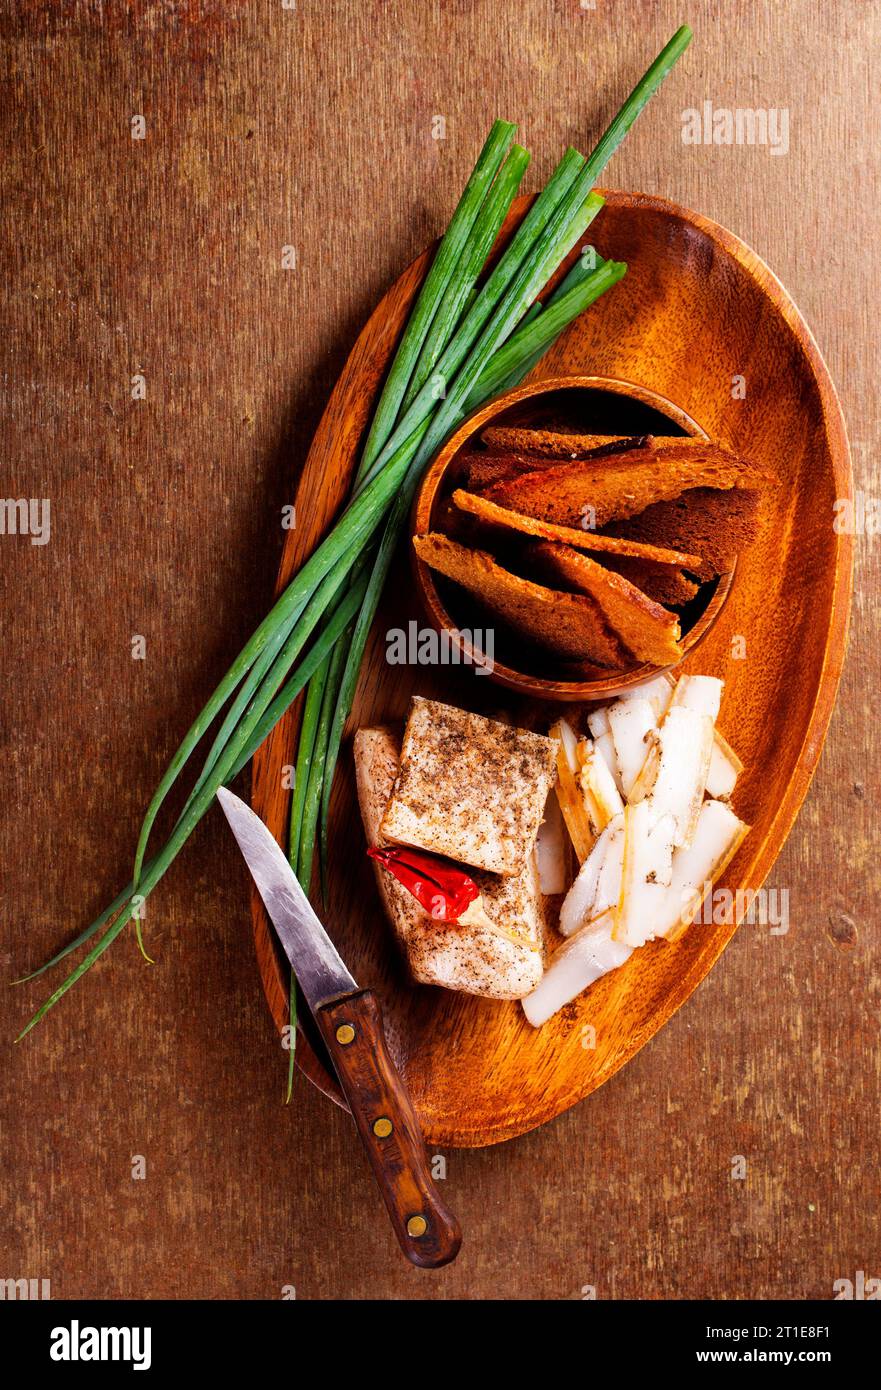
x: 621, y: 485
x: 479, y: 470
x: 570, y: 625
x: 491, y: 514
x: 648, y: 630
x: 662, y: 582
x: 553, y: 444
x: 716, y: 524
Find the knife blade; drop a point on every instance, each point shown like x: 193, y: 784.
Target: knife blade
x: 320, y: 972
x: 350, y: 1021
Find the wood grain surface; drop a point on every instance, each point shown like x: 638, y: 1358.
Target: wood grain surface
x: 162, y: 258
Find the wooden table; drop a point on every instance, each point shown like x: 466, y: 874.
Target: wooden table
x: 162, y: 377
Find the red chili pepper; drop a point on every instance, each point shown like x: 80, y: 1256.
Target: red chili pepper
x: 442, y: 888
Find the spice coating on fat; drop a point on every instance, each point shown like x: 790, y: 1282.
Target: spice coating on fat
x: 499, y: 960
x: 469, y: 788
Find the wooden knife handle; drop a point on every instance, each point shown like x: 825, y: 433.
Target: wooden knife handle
x: 352, y: 1028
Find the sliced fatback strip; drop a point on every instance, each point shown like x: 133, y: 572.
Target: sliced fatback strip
x: 717, y: 837
x: 577, y: 964
x: 685, y: 746
x: 646, y: 873
x: 631, y: 723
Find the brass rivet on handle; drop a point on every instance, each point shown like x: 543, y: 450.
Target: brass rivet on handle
x: 345, y: 1034
x: 382, y: 1127
x: 417, y: 1226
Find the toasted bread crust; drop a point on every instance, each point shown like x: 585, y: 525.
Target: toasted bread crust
x: 662, y: 582
x: 479, y: 471
x: 649, y: 631
x: 554, y: 444
x: 622, y: 485
x: 571, y: 625
x: 492, y: 514
x: 717, y: 524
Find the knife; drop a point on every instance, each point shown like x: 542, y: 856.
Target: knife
x: 350, y: 1021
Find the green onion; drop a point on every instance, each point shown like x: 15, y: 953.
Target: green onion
x: 289, y: 692
x: 436, y: 281
x: 531, y: 341
x: 530, y: 232
x: 462, y: 282
x: 316, y: 771
x: 567, y: 224
x: 342, y: 616
x: 166, y: 856
x: 308, y: 728
x: 293, y: 632
x: 357, y: 523
x: 508, y: 367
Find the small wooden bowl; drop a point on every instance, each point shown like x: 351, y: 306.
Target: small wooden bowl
x: 594, y: 405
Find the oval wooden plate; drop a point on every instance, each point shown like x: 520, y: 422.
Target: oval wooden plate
x: 696, y: 309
